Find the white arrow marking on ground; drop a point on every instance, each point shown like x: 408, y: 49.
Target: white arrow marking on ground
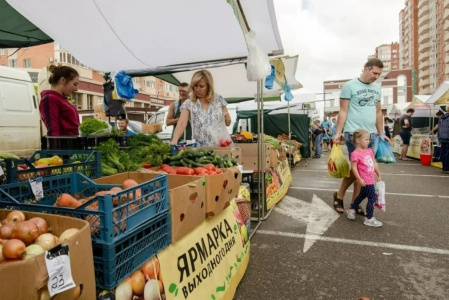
x: 317, y: 214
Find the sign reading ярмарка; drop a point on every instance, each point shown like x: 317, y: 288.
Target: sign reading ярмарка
x: 209, y: 262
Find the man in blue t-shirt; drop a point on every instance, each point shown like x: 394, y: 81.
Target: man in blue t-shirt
x: 360, y: 108
x: 326, y: 124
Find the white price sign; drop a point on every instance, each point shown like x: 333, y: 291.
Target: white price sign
x: 36, y: 187
x: 59, y: 271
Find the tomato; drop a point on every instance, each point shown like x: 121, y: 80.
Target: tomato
x: 185, y: 171
x: 218, y: 171
x: 228, y: 142
x: 209, y: 167
x: 211, y: 173
x: 146, y: 166
x: 199, y: 170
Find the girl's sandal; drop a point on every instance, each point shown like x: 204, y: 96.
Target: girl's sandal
x: 338, y: 204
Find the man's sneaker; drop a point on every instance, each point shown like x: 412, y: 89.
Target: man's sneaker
x: 350, y: 213
x: 372, y: 222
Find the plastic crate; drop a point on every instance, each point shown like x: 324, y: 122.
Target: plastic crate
x: 108, y: 223
x: 88, y: 164
x: 116, y: 261
x: 78, y: 142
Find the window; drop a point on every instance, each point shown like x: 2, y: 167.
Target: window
x: 2, y: 51
x: 77, y: 100
x: 90, y: 101
x: 149, y: 83
x: 27, y: 63
x: 167, y: 87
x: 387, y: 96
x: 13, y: 63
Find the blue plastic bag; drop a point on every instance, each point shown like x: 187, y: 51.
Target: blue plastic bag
x: 269, y: 80
x: 384, y: 152
x: 124, y: 86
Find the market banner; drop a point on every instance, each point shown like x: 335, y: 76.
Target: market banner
x: 277, y: 182
x: 209, y: 262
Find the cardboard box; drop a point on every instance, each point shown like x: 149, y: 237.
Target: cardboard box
x: 151, y: 128
x: 187, y: 198
x: 251, y: 163
x: 24, y: 279
x: 234, y: 152
x: 220, y: 189
x: 250, y: 150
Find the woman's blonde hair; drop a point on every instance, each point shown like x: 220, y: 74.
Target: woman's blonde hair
x: 358, y: 134
x: 207, y: 76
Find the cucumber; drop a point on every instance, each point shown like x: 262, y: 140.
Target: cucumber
x: 192, y: 163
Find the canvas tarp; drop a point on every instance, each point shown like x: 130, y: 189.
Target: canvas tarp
x: 140, y: 34
x: 441, y: 95
x: 16, y: 31
x: 275, y: 121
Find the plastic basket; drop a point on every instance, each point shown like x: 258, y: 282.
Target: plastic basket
x: 108, y: 223
x: 86, y: 162
x: 116, y: 261
x: 77, y: 142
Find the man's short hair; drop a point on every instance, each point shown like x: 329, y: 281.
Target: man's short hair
x: 410, y: 110
x: 183, y: 84
x: 440, y: 113
x: 374, y: 62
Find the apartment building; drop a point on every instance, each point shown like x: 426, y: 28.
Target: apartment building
x: 424, y: 42
x: 153, y: 92
x: 389, y: 55
x: 396, y: 88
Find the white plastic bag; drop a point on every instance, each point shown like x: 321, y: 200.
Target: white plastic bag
x: 258, y: 64
x: 220, y: 135
x: 380, y: 195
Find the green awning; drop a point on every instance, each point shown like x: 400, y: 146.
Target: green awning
x: 16, y: 31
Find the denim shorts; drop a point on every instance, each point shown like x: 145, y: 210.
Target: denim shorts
x: 351, y: 146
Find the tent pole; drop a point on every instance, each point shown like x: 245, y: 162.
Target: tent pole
x: 259, y: 188
x: 262, y: 148
x: 290, y: 157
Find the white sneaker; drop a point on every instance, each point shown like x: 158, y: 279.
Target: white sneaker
x: 372, y: 222
x: 350, y: 213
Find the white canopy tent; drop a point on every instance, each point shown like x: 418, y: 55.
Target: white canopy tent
x: 441, y: 95
x: 140, y: 34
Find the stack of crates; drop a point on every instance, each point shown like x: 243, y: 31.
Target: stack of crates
x: 123, y: 237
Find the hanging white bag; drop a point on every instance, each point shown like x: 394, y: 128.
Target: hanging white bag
x: 380, y: 195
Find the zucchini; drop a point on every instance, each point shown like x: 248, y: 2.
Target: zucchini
x: 4, y: 155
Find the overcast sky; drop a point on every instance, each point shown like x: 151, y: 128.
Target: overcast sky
x: 334, y: 38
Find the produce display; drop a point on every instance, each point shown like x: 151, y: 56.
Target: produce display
x: 199, y: 158
x: 145, y: 283
x: 274, y: 143
x: 94, y: 127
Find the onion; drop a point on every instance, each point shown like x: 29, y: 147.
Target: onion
x: 26, y: 231
x: 67, y: 234
x: 6, y: 231
x: 44, y: 294
x: 14, y: 249
x: 33, y: 250
x: 124, y: 290
x: 151, y: 268
x: 15, y: 216
x: 47, y: 241
x: 77, y: 291
x: 138, y: 282
x: 2, y: 258
x: 151, y: 290
x: 41, y: 224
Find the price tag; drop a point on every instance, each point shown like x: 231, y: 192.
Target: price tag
x: 36, y: 186
x: 60, y: 278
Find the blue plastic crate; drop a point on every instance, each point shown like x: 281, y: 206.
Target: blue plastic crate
x: 108, y: 223
x: 86, y: 162
x: 116, y: 261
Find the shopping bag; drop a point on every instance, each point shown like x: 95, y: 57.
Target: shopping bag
x: 380, y: 195
x: 258, y: 65
x: 337, y: 165
x: 384, y: 152
x: 221, y: 136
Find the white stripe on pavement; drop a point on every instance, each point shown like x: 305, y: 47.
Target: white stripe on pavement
x: 388, y: 174
x: 350, y: 191
x: 355, y: 242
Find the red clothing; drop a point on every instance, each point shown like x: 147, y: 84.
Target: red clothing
x: 59, y: 116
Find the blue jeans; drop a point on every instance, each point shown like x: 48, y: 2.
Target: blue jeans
x: 351, y: 146
x: 318, y: 141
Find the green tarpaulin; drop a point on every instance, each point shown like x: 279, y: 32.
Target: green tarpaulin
x: 16, y: 31
x: 276, y: 124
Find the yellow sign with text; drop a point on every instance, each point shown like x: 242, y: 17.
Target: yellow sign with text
x: 209, y: 262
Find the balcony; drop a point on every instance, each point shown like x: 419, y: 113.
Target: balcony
x: 424, y: 82
x: 424, y: 74
x: 424, y: 65
x: 446, y: 28
x: 446, y: 3
x: 446, y: 48
x: 423, y: 30
x: 422, y: 4
x: 425, y: 91
x: 423, y: 12
x: 423, y: 38
x: 422, y: 21
x: 423, y: 47
x: 446, y: 14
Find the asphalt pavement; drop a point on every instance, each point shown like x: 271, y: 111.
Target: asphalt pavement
x: 305, y: 250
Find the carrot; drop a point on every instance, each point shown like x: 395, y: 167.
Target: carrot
x: 67, y: 200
